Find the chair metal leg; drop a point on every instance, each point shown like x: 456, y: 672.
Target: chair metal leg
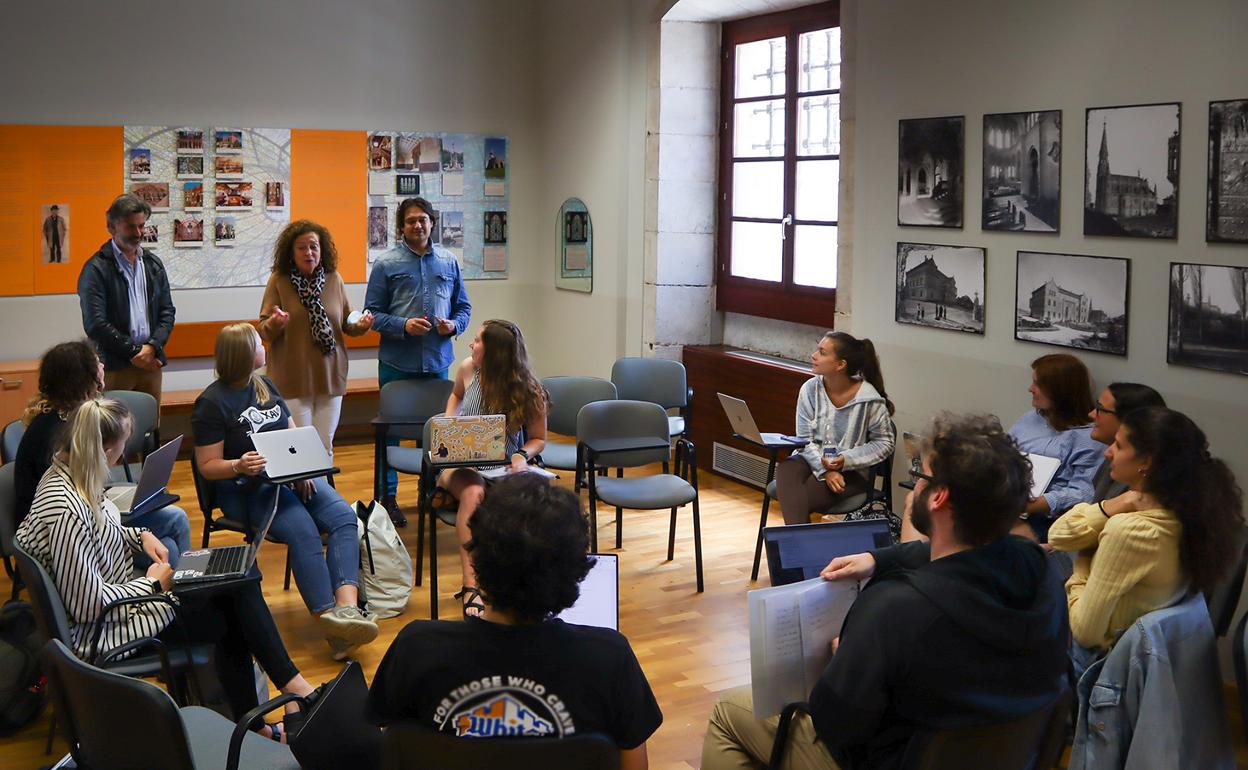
x: 619, y: 517
x: 671, y: 537
x: 47, y: 749
x: 697, y: 542
x: 207, y: 528
x: 593, y: 517
x: 420, y: 533
x: 433, y: 559
x: 286, y: 581
x: 758, y: 544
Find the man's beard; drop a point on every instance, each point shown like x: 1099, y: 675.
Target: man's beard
x: 920, y: 514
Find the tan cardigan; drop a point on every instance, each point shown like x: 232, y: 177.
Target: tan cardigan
x: 1126, y: 566
x: 296, y: 365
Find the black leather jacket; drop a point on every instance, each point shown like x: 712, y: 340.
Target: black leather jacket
x: 104, y: 298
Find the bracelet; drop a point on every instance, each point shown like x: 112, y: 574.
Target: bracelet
x: 234, y: 466
x: 1100, y: 504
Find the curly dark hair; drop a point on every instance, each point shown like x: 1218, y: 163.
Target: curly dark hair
x: 529, y: 547
x: 68, y: 375
x: 988, y: 477
x: 1199, y: 488
x: 284, y: 251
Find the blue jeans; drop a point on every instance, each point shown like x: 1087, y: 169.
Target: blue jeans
x: 170, y: 525
x: 299, y: 525
x: 387, y: 373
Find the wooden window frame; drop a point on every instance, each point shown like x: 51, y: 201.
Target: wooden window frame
x: 785, y: 301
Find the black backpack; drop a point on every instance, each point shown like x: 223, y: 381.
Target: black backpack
x: 23, y: 690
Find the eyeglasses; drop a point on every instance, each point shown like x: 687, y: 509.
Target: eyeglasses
x: 918, y: 474
x: 1102, y: 410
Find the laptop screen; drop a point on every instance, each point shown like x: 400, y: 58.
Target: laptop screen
x: 800, y: 551
x: 157, y: 468
x: 599, y: 602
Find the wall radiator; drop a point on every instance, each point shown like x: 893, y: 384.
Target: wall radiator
x: 740, y: 465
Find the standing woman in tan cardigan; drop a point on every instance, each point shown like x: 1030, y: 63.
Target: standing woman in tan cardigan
x: 303, y: 316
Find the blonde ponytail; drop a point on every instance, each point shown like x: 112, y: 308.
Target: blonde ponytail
x: 96, y: 423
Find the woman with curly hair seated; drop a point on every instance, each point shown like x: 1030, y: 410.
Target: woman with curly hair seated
x: 517, y: 669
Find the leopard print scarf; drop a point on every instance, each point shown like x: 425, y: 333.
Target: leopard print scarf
x: 309, y: 290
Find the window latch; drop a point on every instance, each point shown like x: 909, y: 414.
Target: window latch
x: 784, y: 225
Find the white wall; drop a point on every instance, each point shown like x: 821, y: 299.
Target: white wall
x: 369, y: 64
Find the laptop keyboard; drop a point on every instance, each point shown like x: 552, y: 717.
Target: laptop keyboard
x: 224, y: 561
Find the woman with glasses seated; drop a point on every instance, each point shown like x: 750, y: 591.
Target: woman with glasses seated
x: 1117, y: 399
x: 844, y: 415
x: 1058, y: 426
x: 518, y: 670
x: 495, y: 379
x: 1173, y: 530
x: 75, y: 533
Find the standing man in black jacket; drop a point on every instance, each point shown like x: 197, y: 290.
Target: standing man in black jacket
x: 127, y: 309
x: 967, y: 629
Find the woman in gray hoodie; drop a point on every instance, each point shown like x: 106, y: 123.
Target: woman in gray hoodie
x: 842, y: 408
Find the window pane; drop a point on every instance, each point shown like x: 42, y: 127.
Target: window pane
x: 819, y: 60
x: 760, y: 68
x: 758, y: 129
x: 756, y: 250
x: 814, y: 256
x: 817, y: 188
x: 819, y: 125
x: 758, y: 189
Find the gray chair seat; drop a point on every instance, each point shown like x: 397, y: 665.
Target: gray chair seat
x: 675, y: 425
x: 559, y: 456
x: 406, y: 459
x: 208, y: 736
x: 648, y: 492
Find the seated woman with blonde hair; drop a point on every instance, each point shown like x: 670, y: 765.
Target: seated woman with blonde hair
x: 241, y: 402
x: 76, y: 534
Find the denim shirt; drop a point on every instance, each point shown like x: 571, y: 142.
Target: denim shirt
x: 1156, y: 700
x: 406, y: 285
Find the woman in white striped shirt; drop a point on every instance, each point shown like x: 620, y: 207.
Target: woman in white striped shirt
x: 75, y: 532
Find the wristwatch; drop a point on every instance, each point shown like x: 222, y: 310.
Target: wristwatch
x: 156, y: 586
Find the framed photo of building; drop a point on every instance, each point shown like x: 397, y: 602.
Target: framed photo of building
x: 1023, y: 171
x: 940, y: 286
x: 1072, y: 300
x: 1226, y: 219
x: 1208, y: 325
x: 1131, y: 168
x: 930, y: 159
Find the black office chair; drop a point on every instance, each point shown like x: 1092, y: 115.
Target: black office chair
x: 1031, y: 742
x: 145, y: 433
x: 10, y: 440
x: 1224, y: 597
x: 876, y: 502
x: 408, y: 746
x: 114, y: 722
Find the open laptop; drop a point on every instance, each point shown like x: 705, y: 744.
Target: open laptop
x: 291, y: 451
x: 743, y: 424
x: 797, y: 552
x: 336, y: 732
x: 599, y: 602
x: 475, y: 438
x: 224, y: 562
x: 151, y: 493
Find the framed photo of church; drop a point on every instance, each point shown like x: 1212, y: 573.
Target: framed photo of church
x: 941, y: 287
x: 930, y: 159
x: 1072, y: 300
x: 1023, y: 171
x: 1227, y: 218
x: 1131, y: 168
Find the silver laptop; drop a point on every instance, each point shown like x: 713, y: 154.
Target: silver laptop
x: 224, y: 562
x: 150, y: 493
x: 743, y: 424
x: 291, y: 451
x: 599, y: 602
x: 475, y: 438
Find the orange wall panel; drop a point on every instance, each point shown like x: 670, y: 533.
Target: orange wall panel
x: 328, y: 184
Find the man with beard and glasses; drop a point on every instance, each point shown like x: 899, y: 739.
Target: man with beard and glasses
x: 969, y: 628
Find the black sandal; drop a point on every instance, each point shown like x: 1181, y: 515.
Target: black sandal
x: 441, y: 498
x: 471, y: 596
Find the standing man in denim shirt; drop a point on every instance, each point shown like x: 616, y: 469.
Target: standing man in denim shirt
x: 418, y: 301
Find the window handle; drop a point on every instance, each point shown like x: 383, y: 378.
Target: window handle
x: 784, y: 224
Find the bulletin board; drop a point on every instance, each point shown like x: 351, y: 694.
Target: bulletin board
x: 222, y: 194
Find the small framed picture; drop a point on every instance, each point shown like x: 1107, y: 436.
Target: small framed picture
x: 1131, y: 158
x: 1208, y: 317
x: 940, y: 286
x: 1072, y: 300
x: 228, y: 142
x: 140, y: 163
x: 190, y: 166
x: 190, y: 142
x: 930, y: 160
x: 407, y: 185
x: 496, y: 227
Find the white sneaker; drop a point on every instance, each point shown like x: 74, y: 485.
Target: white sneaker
x: 349, y: 626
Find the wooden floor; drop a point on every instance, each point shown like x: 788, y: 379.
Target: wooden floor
x: 692, y: 647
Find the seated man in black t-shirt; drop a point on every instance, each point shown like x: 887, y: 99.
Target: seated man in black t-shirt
x: 517, y: 670
x: 968, y: 629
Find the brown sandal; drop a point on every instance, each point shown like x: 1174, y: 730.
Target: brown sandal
x: 441, y: 498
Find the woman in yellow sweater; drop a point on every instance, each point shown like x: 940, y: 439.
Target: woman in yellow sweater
x: 1170, y: 533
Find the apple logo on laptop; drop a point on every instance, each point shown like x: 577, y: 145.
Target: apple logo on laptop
x: 292, y: 450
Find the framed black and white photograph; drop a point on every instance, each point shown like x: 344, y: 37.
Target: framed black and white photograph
x: 1131, y: 171
x: 940, y: 286
x: 1072, y: 300
x: 1208, y: 317
x: 1023, y: 171
x: 1227, y: 216
x: 930, y: 159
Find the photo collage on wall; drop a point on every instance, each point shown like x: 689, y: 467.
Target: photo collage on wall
x: 1131, y: 173
x: 464, y: 176
x: 218, y: 198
